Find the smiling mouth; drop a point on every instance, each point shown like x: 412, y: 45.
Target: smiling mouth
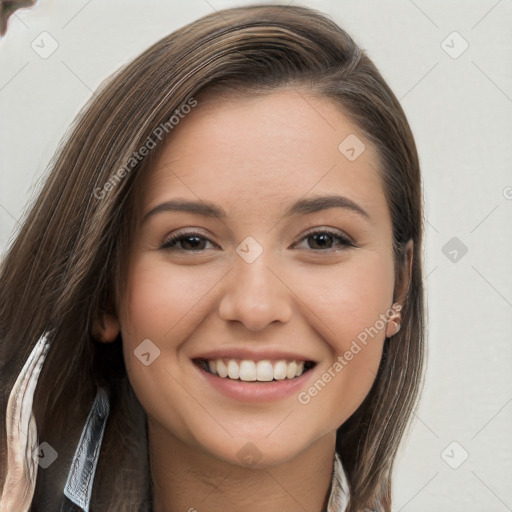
x: 247, y: 370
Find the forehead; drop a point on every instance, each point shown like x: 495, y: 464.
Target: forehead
x: 258, y: 152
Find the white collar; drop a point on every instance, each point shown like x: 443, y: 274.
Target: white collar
x: 339, y: 495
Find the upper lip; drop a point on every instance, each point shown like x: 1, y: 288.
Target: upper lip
x: 252, y: 354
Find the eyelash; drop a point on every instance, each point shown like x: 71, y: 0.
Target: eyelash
x: 171, y: 242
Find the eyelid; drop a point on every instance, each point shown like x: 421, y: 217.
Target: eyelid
x: 325, y: 229
x: 336, y: 232
x: 175, y: 236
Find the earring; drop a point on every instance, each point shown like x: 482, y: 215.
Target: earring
x: 394, y: 322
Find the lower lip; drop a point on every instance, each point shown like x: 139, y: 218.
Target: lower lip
x: 256, y: 391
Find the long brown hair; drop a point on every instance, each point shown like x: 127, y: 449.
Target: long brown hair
x: 68, y: 260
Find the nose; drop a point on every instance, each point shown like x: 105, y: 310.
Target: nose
x: 255, y: 296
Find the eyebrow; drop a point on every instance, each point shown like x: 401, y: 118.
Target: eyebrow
x: 300, y: 207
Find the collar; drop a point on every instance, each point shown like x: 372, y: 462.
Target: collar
x: 338, y: 498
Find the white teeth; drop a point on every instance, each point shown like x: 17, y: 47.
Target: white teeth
x: 291, y: 370
x: 250, y: 371
x: 264, y: 371
x: 247, y: 370
x: 233, y: 370
x: 222, y: 370
x: 280, y: 370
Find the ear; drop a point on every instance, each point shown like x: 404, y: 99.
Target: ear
x: 402, y: 281
x: 105, y: 327
x: 403, y: 277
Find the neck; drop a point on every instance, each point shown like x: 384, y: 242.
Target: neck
x: 187, y: 479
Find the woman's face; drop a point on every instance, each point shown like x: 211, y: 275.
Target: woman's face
x: 265, y: 249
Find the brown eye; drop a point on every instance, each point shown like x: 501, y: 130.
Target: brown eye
x: 186, y: 242
x: 327, y: 240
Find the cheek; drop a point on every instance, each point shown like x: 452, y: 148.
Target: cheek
x: 162, y: 298
x: 164, y: 303
x: 351, y: 297
x: 349, y: 307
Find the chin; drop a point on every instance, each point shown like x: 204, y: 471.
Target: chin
x: 257, y: 451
